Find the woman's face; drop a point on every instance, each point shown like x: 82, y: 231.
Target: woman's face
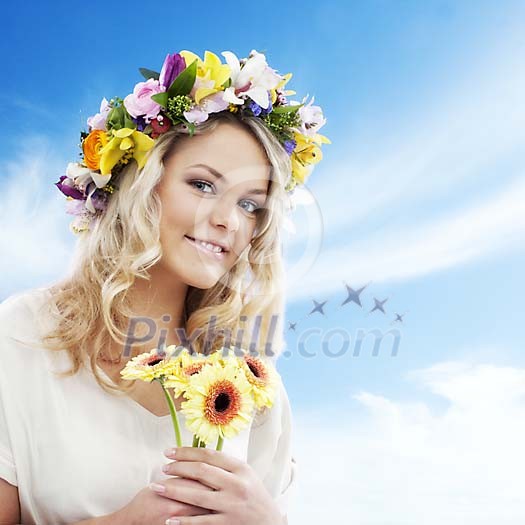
x: 211, y: 189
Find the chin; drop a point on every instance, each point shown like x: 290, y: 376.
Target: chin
x: 196, y: 275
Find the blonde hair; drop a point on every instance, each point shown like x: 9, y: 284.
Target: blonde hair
x: 92, y: 304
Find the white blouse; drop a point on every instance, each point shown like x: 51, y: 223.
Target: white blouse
x: 76, y: 452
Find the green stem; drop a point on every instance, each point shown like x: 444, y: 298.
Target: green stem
x: 220, y: 442
x: 174, y: 417
x: 195, y: 442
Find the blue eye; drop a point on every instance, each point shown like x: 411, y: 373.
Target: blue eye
x: 195, y: 184
x: 255, y: 206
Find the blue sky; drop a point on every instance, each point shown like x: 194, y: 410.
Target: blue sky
x: 420, y: 194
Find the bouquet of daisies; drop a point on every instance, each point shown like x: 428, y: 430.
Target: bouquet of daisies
x: 221, y: 390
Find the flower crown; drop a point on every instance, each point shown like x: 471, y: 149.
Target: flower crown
x: 185, y: 92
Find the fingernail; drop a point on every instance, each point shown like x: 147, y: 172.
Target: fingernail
x: 157, y: 488
x: 170, y: 452
x: 172, y: 521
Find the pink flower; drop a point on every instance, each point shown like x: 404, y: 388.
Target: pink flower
x: 139, y: 103
x: 211, y: 104
x: 196, y: 115
x: 98, y: 121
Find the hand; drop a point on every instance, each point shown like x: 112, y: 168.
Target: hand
x: 148, y: 508
x: 238, y: 496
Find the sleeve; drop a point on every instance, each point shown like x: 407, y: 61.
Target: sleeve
x: 270, y: 449
x: 7, y: 464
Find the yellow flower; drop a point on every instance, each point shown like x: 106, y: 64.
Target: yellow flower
x: 306, y: 153
x: 299, y: 171
x: 124, y: 140
x: 184, y: 367
x: 263, y: 378
x: 148, y: 366
x: 220, y: 403
x: 211, y: 74
x: 282, y: 83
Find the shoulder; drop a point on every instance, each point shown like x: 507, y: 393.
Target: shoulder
x: 22, y: 306
x: 23, y: 317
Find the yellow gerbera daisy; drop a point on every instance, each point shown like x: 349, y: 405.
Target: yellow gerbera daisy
x: 148, y: 366
x: 263, y: 378
x: 220, y: 403
x: 185, y: 366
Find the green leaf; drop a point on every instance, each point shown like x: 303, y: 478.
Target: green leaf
x: 184, y: 82
x: 128, y: 123
x: 161, y: 98
x: 148, y: 73
x: 287, y: 109
x: 115, y: 118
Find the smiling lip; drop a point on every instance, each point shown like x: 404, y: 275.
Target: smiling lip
x: 217, y: 256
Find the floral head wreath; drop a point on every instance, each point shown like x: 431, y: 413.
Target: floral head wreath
x: 185, y: 92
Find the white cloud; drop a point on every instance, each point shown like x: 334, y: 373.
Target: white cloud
x: 36, y: 245
x: 450, y: 141
x: 403, y: 463
x: 416, y: 203
x: 486, y: 228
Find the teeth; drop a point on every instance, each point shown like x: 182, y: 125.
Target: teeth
x: 211, y: 247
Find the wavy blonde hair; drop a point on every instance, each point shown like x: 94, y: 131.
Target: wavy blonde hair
x: 92, y: 304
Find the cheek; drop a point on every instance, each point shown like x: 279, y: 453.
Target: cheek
x: 177, y: 218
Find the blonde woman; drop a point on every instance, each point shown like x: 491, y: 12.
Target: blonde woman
x: 189, y: 232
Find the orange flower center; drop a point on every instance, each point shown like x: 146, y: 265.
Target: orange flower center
x: 222, y: 403
x: 193, y: 369
x: 258, y: 370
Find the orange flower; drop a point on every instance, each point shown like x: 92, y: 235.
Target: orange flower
x: 91, y: 146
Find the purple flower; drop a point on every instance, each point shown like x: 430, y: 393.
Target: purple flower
x: 172, y: 67
x: 99, y: 199
x: 66, y: 186
x: 289, y: 146
x: 77, y: 208
x: 140, y: 122
x: 255, y: 108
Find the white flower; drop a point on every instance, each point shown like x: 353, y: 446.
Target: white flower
x: 253, y: 80
x: 312, y: 119
x: 83, y: 176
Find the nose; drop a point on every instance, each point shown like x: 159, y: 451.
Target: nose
x: 225, y: 214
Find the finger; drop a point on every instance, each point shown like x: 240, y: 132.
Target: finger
x: 210, y: 519
x: 207, y: 455
x: 184, y: 509
x: 209, y: 475
x: 186, y: 482
x: 207, y: 499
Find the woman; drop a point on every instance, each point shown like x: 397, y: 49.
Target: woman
x: 179, y: 202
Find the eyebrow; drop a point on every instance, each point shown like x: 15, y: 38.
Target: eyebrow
x: 219, y: 175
